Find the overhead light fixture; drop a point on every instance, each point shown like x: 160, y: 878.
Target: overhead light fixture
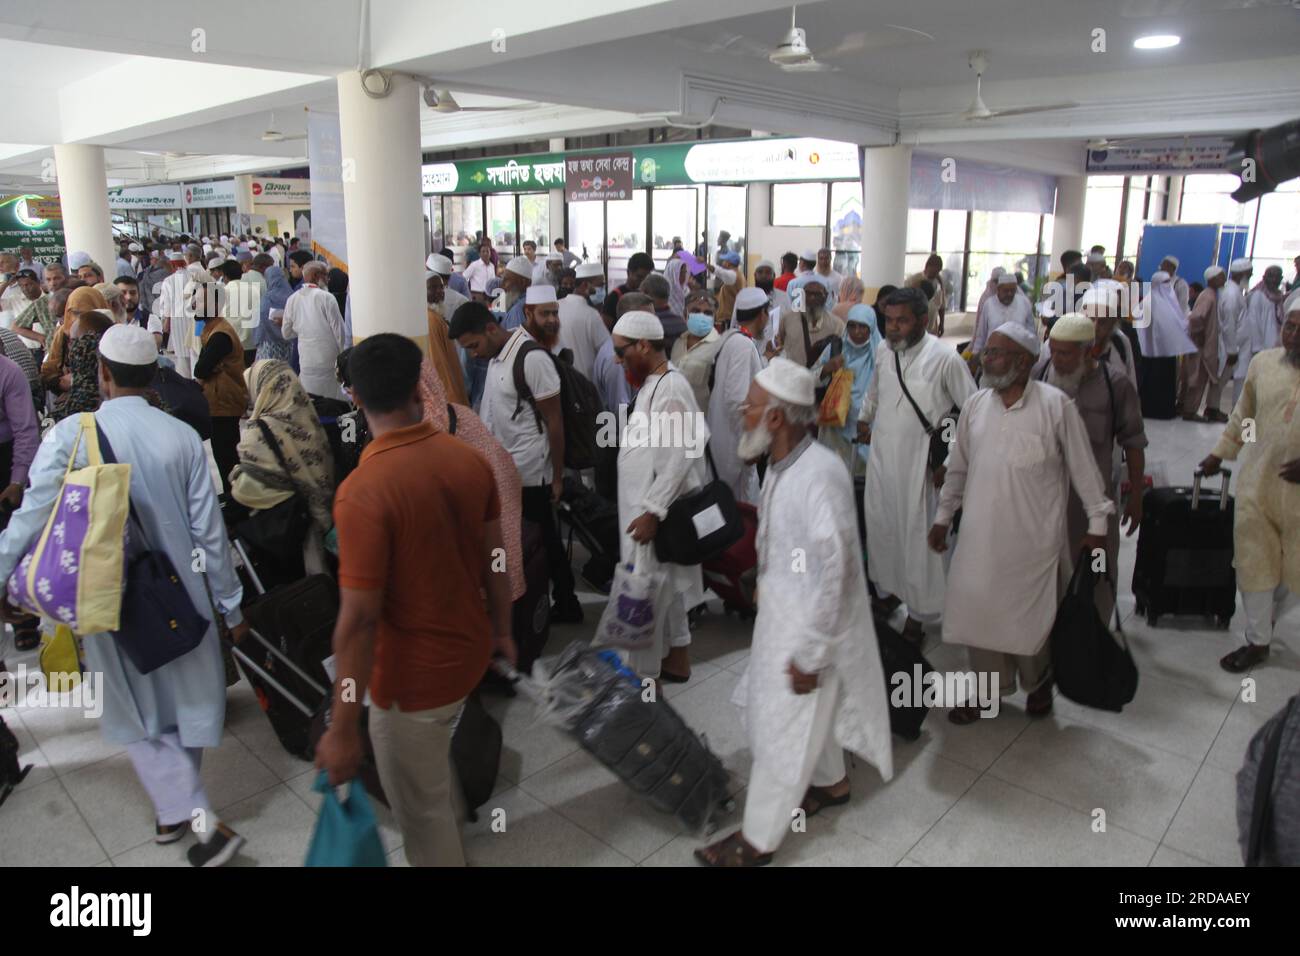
x: 1157, y: 41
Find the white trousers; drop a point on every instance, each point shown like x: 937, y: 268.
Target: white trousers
x: 1266, y: 609
x: 170, y: 774
x: 770, y: 803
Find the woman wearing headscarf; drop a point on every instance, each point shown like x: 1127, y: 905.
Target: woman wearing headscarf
x: 83, y: 364
x: 470, y: 429
x: 284, y: 450
x: 678, y: 273
x: 857, y: 353
x: 54, y: 372
x: 851, y: 292
x: 271, y: 344
x: 1162, y: 338
x: 337, y: 284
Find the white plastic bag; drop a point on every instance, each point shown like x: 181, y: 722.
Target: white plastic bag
x: 628, y: 621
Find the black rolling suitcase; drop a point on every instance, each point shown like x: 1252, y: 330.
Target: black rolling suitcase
x: 594, y: 521
x: 898, y: 655
x: 1184, y: 554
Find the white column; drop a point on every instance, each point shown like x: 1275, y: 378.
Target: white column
x: 382, y: 202
x: 83, y: 196
x: 1067, y: 222
x: 244, y: 194
x: 1174, y: 209
x: 555, y: 199
x: 886, y: 181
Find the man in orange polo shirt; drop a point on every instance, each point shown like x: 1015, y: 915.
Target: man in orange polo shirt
x: 419, y: 544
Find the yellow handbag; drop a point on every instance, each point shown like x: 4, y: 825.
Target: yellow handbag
x: 60, y: 660
x: 838, y: 399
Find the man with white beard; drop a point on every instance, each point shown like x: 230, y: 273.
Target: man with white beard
x: 654, y: 470
x: 1262, y: 323
x: 1112, y: 415
x: 738, y: 361
x: 582, y: 330
x: 802, y: 330
x: 900, y: 496
x: 516, y: 280
x: 1232, y: 309
x: 1182, y: 291
x: 814, y: 684
x: 1007, y: 304
x: 1018, y: 441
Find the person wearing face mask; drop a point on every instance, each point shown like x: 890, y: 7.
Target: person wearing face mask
x: 693, y: 353
x: 582, y: 330
x: 857, y: 353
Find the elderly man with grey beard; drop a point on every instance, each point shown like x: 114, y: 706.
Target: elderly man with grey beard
x: 1112, y: 414
x: 1018, y: 440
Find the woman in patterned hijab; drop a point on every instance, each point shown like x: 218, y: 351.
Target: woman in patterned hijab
x: 283, y: 418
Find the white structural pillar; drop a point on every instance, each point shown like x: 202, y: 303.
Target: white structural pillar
x: 886, y: 182
x: 244, y: 194
x: 382, y: 202
x: 83, y: 196
x: 1067, y: 223
x: 555, y: 202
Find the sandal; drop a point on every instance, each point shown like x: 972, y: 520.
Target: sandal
x: 732, y: 851
x: 818, y: 798
x: 962, y: 716
x: 670, y: 678
x: 1039, y: 702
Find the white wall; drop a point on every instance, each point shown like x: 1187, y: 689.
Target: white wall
x: 770, y: 242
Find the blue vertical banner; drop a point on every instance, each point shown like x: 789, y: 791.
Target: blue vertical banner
x: 328, y: 231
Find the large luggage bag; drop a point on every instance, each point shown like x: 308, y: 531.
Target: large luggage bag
x: 1184, y: 554
x: 900, y: 656
x: 595, y: 698
x: 733, y: 575
x: 1268, y: 792
x: 531, y: 614
x: 593, y: 520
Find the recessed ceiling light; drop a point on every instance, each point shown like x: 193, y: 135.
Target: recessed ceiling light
x: 1157, y: 41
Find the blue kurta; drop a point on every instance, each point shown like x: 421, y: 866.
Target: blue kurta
x: 176, y: 502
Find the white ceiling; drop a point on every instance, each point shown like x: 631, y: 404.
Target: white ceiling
x: 123, y: 76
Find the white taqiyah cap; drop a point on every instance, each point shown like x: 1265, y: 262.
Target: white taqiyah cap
x: 1173, y: 259
x: 439, y: 264
x: 135, y: 247
x: 1096, y: 257
x: 520, y: 266
x: 1073, y: 328
x: 590, y: 270
x: 1212, y: 271
x: 751, y: 297
x: 174, y: 256
x: 997, y: 271
x: 540, y: 294
x: 809, y: 255
x: 129, y: 344
x: 766, y: 264
x: 1007, y: 278
x: 77, y: 259
x: 1019, y: 334
x: 788, y: 381
x: 1239, y: 265
x: 636, y: 325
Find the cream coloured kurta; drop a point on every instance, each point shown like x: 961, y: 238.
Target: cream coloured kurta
x: 1232, y: 305
x: 1011, y: 470
x: 312, y: 317
x: 582, y: 331
x: 993, y: 313
x: 652, y: 478
x: 826, y: 325
x: 737, y: 363
x: 814, y: 612
x: 1261, y: 325
x: 695, y: 362
x: 1203, y: 327
x: 899, y: 498
x: 1266, y: 524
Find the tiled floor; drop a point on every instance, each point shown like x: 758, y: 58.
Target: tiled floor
x: 1004, y: 791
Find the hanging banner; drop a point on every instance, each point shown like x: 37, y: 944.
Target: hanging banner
x: 162, y: 196
x: 36, y: 221
x: 1194, y: 154
x: 327, y: 228
x: 940, y: 183
x: 287, y: 192
x: 217, y: 195
x: 608, y: 176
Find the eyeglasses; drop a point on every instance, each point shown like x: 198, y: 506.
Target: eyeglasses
x: 620, y: 349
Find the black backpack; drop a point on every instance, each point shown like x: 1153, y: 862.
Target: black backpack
x: 580, y: 403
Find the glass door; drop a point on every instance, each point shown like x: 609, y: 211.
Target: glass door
x: 675, y: 214
x: 586, y: 233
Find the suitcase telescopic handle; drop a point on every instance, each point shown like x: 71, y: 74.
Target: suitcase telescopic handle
x: 1225, y: 475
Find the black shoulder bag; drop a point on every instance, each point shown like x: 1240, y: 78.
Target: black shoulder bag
x: 938, y: 444
x: 278, y: 531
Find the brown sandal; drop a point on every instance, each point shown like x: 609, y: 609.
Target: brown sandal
x: 962, y: 716
x: 732, y: 851
x: 819, y: 798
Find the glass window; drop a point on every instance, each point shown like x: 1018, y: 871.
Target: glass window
x: 801, y: 204
x: 1277, y: 242
x: 1007, y: 239
x: 1208, y: 198
x: 587, y: 230
x: 503, y: 229
x: 920, y: 230
x: 433, y: 211
x: 1134, y: 220
x: 626, y: 218
x: 535, y: 220
x: 463, y: 221
x: 674, y: 210
x: 726, y: 206
x: 846, y: 226
x: 1101, y: 207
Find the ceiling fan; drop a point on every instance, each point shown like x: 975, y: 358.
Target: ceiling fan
x: 978, y: 111
x: 441, y: 101
x: 273, y: 135
x: 1105, y: 143
x: 793, y: 55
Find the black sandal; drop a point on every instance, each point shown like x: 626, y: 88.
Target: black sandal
x: 670, y: 678
x: 821, y: 798
x: 732, y: 851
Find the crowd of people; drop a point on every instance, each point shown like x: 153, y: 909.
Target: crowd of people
x: 1010, y: 451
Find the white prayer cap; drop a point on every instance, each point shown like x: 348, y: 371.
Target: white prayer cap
x: 766, y: 264
x: 1212, y: 271
x: 439, y: 264
x: 135, y: 247
x: 207, y: 247
x: 215, y: 263
x: 77, y: 259
x: 520, y: 266
x: 1103, y: 296
x: 1173, y: 259
x: 540, y: 294
x: 254, y: 247
x: 225, y: 239
x: 205, y: 239
x: 174, y: 256
x: 636, y: 325
x: 1096, y: 257
x: 1160, y: 276
x: 129, y: 344
x: 809, y: 255
x: 1073, y: 328
x: 1007, y: 278
x: 1022, y: 336
x: 554, y: 257
x: 1239, y: 265
x: 751, y: 297
x: 788, y: 381
x: 590, y: 270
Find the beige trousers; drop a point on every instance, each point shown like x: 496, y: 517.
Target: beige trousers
x: 1032, y: 670
x: 413, y: 755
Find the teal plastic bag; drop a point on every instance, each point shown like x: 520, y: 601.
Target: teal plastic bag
x: 346, y: 833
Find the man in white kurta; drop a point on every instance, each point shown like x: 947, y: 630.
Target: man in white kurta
x: 900, y: 496
x: 312, y: 317
x: 738, y: 361
x: 814, y: 684
x: 660, y: 458
x: 172, y: 309
x: 1232, y: 309
x: 1021, y: 445
x: 1266, y: 523
x: 1262, y: 322
x: 1007, y: 304
x: 582, y: 330
x: 166, y: 718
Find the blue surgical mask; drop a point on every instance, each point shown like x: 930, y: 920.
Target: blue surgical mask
x: 699, y: 324
x: 597, y: 297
